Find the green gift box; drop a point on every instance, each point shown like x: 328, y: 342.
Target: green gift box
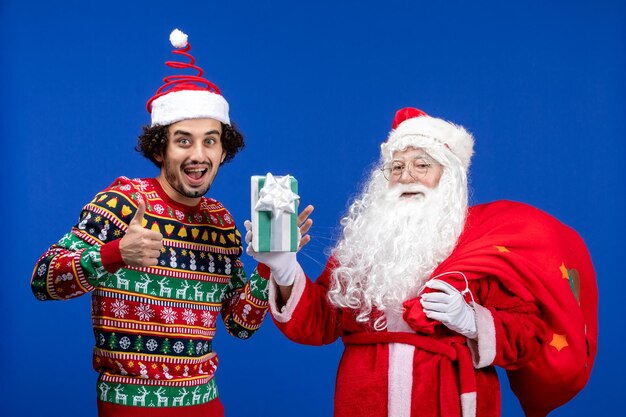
x: 274, y: 206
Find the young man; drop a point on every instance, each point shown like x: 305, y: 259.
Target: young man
x: 428, y: 295
x: 162, y: 261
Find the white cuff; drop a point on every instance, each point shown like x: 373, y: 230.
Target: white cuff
x: 483, y: 349
x: 283, y: 314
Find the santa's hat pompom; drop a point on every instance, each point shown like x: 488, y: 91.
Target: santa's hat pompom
x: 178, y: 39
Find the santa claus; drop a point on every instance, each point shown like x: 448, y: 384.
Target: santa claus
x: 429, y: 296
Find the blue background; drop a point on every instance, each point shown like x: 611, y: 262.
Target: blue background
x: 314, y: 87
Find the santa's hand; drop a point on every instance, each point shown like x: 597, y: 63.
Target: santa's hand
x: 282, y: 264
x: 448, y: 306
x: 304, y: 224
x: 140, y: 246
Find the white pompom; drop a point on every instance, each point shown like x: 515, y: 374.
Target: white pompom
x: 178, y: 39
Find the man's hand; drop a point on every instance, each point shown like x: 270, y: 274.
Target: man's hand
x: 448, y: 306
x: 139, y: 246
x: 282, y: 264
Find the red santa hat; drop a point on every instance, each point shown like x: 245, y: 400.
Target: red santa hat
x: 414, y: 128
x: 186, y: 96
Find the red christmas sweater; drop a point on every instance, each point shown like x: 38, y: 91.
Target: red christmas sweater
x: 536, y: 305
x: 154, y: 325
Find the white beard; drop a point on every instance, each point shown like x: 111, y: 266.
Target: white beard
x: 392, y: 244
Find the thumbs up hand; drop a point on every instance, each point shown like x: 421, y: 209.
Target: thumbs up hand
x: 140, y: 247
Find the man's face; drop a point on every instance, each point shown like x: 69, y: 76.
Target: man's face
x: 414, y: 165
x: 191, y: 159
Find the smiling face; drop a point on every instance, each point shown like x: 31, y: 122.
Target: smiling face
x: 191, y: 159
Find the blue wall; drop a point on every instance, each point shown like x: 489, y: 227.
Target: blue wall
x: 314, y: 87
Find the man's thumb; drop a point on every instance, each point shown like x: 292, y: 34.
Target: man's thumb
x: 141, y: 210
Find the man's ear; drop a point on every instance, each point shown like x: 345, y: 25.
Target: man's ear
x: 223, y: 157
x: 158, y: 157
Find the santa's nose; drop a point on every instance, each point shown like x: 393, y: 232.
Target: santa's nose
x: 405, y: 177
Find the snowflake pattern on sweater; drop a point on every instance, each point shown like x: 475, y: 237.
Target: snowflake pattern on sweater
x: 154, y: 325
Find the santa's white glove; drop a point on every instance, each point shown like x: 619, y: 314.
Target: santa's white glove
x: 448, y: 306
x: 282, y: 264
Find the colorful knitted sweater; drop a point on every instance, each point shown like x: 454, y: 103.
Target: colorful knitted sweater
x: 154, y: 325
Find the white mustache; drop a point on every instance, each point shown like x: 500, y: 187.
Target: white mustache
x: 396, y: 191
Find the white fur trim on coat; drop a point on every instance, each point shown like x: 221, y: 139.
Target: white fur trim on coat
x: 283, y: 314
x: 189, y: 104
x: 468, y: 404
x: 400, y: 377
x: 483, y: 349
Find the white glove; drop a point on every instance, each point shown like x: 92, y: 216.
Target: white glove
x: 449, y: 307
x: 282, y: 264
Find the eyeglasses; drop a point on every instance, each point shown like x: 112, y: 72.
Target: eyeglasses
x: 417, y: 169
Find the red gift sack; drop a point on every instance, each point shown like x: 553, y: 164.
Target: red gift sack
x: 538, y: 258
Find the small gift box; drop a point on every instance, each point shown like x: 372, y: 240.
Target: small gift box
x: 274, y: 213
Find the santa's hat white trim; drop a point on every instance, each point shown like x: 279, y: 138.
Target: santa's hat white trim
x: 189, y: 104
x: 424, y: 131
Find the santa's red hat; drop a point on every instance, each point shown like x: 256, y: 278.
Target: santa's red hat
x: 186, y: 96
x: 414, y: 128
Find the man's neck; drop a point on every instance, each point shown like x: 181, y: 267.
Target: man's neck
x: 173, y: 194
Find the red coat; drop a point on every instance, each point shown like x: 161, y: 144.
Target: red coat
x: 516, y: 259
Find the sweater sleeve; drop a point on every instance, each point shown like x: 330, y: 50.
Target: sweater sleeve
x: 510, y: 330
x: 244, y: 305
x: 86, y: 256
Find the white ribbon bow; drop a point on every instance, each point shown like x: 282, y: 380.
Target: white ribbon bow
x: 276, y: 195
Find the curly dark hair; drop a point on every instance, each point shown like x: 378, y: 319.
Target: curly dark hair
x: 153, y: 141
